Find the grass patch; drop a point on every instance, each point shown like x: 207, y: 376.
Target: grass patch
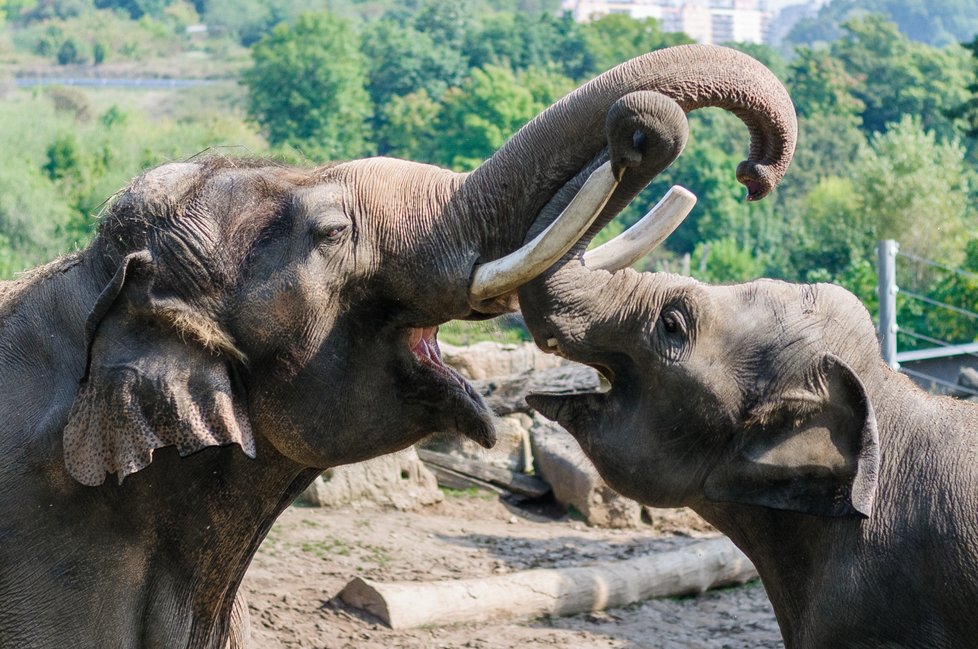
x: 327, y: 547
x: 471, y: 492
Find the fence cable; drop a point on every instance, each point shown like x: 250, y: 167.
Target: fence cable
x: 934, y: 264
x: 934, y: 379
x: 936, y: 341
x: 944, y: 305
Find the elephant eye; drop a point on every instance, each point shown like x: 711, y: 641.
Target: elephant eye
x: 673, y: 321
x: 331, y: 234
x: 671, y: 334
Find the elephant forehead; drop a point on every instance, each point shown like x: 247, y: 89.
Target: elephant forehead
x: 317, y: 197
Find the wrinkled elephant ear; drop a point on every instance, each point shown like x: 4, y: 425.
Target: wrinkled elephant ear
x: 158, y: 375
x: 813, y: 449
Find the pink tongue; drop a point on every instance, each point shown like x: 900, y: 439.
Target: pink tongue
x: 424, y: 344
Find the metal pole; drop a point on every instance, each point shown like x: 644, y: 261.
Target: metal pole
x: 886, y: 252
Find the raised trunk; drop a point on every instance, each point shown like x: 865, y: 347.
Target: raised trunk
x: 513, y: 186
x: 565, y: 302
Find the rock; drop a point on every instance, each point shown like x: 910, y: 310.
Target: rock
x: 679, y: 520
x: 507, y: 394
x: 575, y: 482
x: 968, y: 377
x: 397, y: 480
x: 511, y: 452
x: 487, y: 359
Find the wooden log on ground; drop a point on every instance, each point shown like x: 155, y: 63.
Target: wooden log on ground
x: 518, y: 483
x: 561, y: 591
x: 456, y: 480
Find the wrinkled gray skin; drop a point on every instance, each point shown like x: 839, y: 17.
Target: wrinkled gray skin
x: 767, y: 409
x: 236, y: 327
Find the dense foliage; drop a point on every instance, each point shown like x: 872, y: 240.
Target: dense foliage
x: 935, y: 22
x: 888, y: 110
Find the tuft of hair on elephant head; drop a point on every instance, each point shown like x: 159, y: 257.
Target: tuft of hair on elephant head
x: 237, y: 326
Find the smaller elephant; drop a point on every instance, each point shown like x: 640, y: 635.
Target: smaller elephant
x: 767, y: 409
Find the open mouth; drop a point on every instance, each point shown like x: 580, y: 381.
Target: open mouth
x: 423, y: 343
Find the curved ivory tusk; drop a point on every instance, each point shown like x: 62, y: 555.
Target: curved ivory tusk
x: 503, y: 275
x: 650, y: 231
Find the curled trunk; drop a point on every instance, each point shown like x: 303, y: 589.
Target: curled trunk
x: 549, y: 154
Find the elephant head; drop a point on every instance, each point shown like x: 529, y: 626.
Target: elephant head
x: 242, y: 299
x: 747, y: 394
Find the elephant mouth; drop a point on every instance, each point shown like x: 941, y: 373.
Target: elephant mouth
x: 423, y: 343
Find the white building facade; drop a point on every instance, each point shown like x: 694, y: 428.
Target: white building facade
x: 705, y: 21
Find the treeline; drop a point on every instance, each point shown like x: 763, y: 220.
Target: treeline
x: 886, y: 146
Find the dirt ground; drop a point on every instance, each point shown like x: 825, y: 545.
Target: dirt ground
x: 310, y: 554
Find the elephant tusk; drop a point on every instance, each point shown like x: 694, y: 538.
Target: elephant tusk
x: 508, y: 273
x: 646, y: 235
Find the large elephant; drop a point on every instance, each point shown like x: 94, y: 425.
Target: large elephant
x: 767, y: 408
x: 237, y: 326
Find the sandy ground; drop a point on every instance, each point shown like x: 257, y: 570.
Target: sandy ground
x: 311, y: 554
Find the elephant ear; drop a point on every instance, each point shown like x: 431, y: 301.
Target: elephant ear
x: 155, y: 378
x: 814, y: 450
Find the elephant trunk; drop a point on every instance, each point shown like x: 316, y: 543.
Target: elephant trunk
x: 564, y: 302
x: 540, y: 166
x: 469, y: 220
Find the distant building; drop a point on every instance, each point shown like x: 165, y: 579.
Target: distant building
x: 705, y: 21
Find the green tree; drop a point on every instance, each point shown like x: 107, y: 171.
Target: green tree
x: 306, y: 88
x: 445, y: 21
x: 959, y: 290
x: 521, y: 41
x: 70, y: 52
x: 615, y: 38
x: 831, y: 233
x: 245, y: 20
x: 725, y: 260
x: 403, y: 60
x: 63, y: 160
x: 917, y: 190
x: 135, y: 8
x: 820, y: 85
x: 898, y: 77
x: 935, y: 22
x: 967, y: 110
x: 407, y: 126
x: 830, y: 143
x: 481, y: 115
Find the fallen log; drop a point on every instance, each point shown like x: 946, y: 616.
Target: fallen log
x: 518, y: 483
x: 559, y: 591
x: 455, y: 480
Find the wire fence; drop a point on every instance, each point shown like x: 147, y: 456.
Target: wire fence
x: 928, y: 345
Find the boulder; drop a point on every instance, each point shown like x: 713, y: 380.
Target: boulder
x: 559, y: 460
x: 486, y: 359
x: 397, y: 480
x: 511, y: 451
x: 507, y: 394
x: 968, y: 377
